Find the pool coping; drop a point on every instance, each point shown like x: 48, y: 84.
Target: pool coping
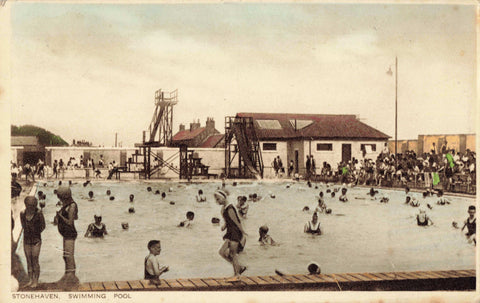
x: 464, y: 280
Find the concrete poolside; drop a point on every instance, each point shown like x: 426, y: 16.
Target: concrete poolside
x: 463, y: 280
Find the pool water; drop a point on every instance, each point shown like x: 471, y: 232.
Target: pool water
x: 359, y: 236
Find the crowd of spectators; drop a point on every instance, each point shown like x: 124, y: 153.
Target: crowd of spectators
x: 454, y: 171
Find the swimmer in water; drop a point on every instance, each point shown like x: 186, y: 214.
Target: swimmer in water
x: 90, y: 196
x: 108, y: 192
x: 313, y: 226
x: 423, y: 219
x: 200, y: 196
x: 187, y: 223
x: 441, y: 199
x: 131, y: 197
x: 313, y: 269
x: 265, y: 238
x: 153, y: 269
x: 372, y: 193
x: 385, y: 198
x: 321, y: 206
x: 164, y: 195
x: 96, y: 229
x: 343, y: 197
x: 242, y: 206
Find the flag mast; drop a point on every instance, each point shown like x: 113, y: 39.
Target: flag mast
x: 396, y: 85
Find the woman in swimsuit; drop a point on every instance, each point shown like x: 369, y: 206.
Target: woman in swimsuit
x: 97, y: 229
x: 235, y: 236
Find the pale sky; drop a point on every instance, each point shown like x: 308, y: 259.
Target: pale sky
x: 88, y: 71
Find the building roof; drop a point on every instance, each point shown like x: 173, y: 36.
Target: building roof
x: 315, y: 126
x: 187, y: 134
x: 24, y: 141
x: 212, y: 141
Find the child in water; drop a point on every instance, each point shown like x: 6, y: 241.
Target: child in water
x: 153, y: 269
x: 343, y: 197
x: 242, y: 206
x: 96, y: 229
x: 33, y: 223
x: 265, y: 238
x: 471, y: 224
x: 200, y: 196
x: 187, y: 223
x: 441, y: 199
x: 321, y: 206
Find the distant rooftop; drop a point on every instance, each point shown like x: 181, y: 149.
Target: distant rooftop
x: 24, y: 141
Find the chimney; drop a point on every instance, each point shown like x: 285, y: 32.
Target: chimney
x: 194, y: 125
x: 181, y: 127
x: 210, y: 125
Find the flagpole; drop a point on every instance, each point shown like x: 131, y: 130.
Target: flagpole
x: 396, y: 85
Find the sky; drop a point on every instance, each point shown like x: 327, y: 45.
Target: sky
x: 88, y: 71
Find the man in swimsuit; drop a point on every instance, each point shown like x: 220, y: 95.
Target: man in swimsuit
x: 235, y: 236
x: 471, y: 224
x: 65, y: 219
x: 313, y: 226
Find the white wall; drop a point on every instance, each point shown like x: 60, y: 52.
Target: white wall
x: 269, y: 155
x: 334, y: 156
x: 213, y: 157
x: 14, y: 150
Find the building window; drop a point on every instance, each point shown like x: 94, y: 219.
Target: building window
x: 368, y: 148
x: 324, y: 146
x: 269, y: 146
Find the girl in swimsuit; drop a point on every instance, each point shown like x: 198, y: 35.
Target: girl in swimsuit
x: 33, y: 223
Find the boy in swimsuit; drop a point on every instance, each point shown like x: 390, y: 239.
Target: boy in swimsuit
x: 97, y: 229
x: 471, y: 224
x: 441, y: 199
x: 153, y: 269
x: 187, y: 223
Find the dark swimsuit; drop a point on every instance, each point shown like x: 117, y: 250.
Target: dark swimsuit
x: 233, y: 232
x: 32, y: 228
x: 147, y: 275
x: 97, y: 232
x: 67, y: 231
x: 424, y: 223
x: 472, y: 227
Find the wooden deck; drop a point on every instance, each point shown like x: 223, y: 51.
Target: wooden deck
x: 408, y: 281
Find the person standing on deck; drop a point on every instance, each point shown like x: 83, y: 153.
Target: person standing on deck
x: 275, y: 166
x: 308, y: 166
x: 313, y: 168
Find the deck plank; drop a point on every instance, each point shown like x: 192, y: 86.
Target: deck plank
x: 258, y: 280
x: 432, y: 274
x: 292, y: 279
x: 186, y: 283
x: 385, y: 276
x: 110, y: 285
x: 122, y: 285
x: 269, y: 280
x: 339, y: 278
x: 199, y: 283
x: 280, y: 279
x: 359, y: 277
x: 249, y: 281
x: 174, y: 284
x: 135, y: 285
x: 96, y: 286
x: 84, y: 287
x: 147, y: 285
x: 462, y: 273
x: 211, y: 282
x: 370, y: 276
x: 468, y: 272
x: 316, y: 278
x: 325, y: 277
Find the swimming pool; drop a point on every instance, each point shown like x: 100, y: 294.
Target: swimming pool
x: 359, y: 236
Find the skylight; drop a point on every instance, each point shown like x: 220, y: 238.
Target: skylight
x: 300, y: 123
x: 269, y: 124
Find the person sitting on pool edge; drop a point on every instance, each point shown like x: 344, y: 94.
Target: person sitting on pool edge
x: 187, y: 223
x: 313, y: 226
x: 200, y: 196
x: 265, y: 238
x: 423, y: 219
x: 153, y: 269
x: 96, y: 229
x: 471, y: 224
